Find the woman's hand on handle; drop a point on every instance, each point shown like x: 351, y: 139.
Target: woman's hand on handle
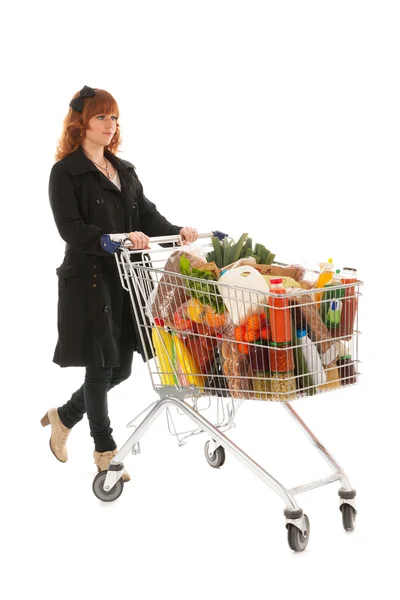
x: 138, y: 240
x: 189, y: 235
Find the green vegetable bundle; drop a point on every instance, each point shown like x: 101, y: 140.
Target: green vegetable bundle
x: 206, y: 293
x: 227, y: 251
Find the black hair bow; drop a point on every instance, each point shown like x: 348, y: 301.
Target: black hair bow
x: 77, y: 103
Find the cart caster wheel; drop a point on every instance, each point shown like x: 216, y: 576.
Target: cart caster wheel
x: 218, y: 457
x: 348, y: 516
x: 101, y: 493
x: 296, y: 539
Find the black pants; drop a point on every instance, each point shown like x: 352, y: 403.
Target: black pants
x: 92, y: 395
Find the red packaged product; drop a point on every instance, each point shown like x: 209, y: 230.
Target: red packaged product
x: 201, y: 354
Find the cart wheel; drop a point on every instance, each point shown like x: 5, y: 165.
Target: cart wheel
x: 101, y: 493
x: 296, y: 539
x: 217, y: 459
x: 348, y: 516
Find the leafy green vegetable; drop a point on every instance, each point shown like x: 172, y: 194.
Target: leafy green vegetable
x: 206, y: 293
x: 226, y: 252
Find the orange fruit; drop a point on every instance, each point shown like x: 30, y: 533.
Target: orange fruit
x: 252, y: 335
x: 240, y: 332
x: 214, y: 319
x: 243, y: 348
x: 256, y: 322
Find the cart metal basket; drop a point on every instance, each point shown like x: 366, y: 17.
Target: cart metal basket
x: 215, y: 345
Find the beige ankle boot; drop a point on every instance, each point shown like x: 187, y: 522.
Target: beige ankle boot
x: 103, y: 459
x: 59, y: 434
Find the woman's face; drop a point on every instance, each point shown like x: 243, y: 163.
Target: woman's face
x: 101, y: 129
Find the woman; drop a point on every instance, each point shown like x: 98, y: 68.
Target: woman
x: 94, y: 196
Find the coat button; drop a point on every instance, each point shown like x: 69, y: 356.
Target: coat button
x: 94, y: 266
x: 117, y: 205
x: 94, y: 285
x: 106, y: 309
x: 100, y: 201
x: 134, y: 205
x: 95, y: 275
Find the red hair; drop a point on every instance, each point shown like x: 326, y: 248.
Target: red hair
x: 76, y: 123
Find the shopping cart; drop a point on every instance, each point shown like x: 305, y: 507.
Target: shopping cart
x: 236, y: 344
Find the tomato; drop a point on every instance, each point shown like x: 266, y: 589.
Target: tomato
x: 182, y: 323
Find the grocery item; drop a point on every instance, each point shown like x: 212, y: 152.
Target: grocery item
x: 300, y: 272
x: 283, y: 386
x: 259, y: 358
x: 202, y: 355
x: 316, y: 328
x: 181, y: 321
x: 332, y: 377
x: 195, y: 310
x: 306, y: 285
x: 207, y: 335
x: 287, y: 282
x: 347, y: 371
x: 259, y: 363
x: 296, y: 272
x: 333, y: 316
x: 350, y: 303
x: 346, y: 366
x: 326, y: 274
x: 304, y: 382
x: 236, y: 288
x: 236, y: 369
x: 187, y: 366
x: 329, y: 295
x: 262, y: 385
x: 216, y: 381
x: 171, y: 292
x: 163, y: 345
x: 256, y: 328
x: 227, y: 252
x: 205, y: 290
x: 311, y: 357
x: 279, y: 312
x: 281, y: 357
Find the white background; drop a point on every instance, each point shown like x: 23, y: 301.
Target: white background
x: 276, y: 118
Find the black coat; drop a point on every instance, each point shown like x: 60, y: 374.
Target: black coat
x: 85, y: 206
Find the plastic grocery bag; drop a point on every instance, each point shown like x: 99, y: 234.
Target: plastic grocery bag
x: 171, y: 291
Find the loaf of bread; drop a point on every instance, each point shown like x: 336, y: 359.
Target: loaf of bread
x: 237, y: 371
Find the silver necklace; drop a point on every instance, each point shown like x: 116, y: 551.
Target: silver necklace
x: 109, y: 175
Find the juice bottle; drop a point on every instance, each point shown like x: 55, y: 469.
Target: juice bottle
x: 350, y: 303
x: 329, y: 295
x: 325, y: 275
x: 279, y: 312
